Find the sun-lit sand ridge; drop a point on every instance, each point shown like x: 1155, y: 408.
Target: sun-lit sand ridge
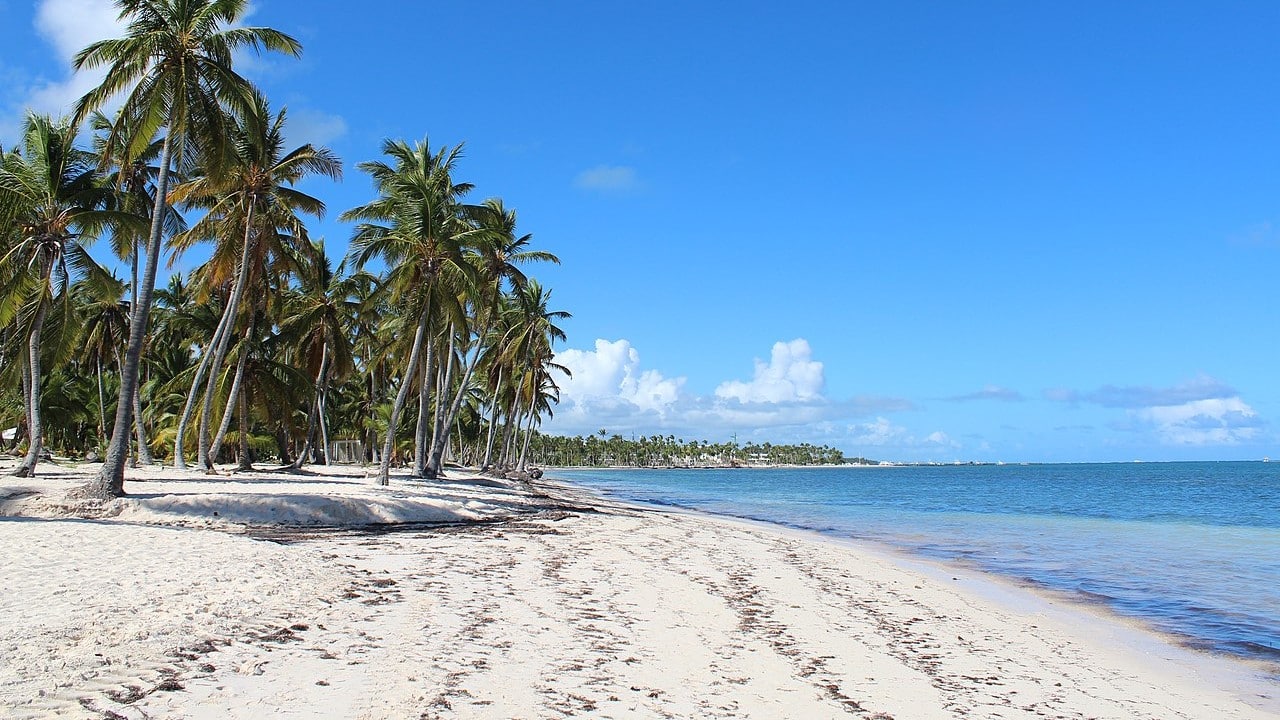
x: 560, y: 605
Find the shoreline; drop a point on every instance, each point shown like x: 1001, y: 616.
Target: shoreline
x: 1260, y: 656
x: 1022, y: 595
x: 547, y: 601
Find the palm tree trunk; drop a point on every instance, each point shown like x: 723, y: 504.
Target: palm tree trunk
x: 245, y: 463
x: 22, y: 430
x: 528, y: 434
x: 497, y: 392
x: 110, y: 481
x: 513, y: 417
x: 384, y: 464
x: 301, y: 459
x: 102, y: 405
x: 140, y: 430
x: 315, y: 411
x: 444, y: 415
x: 424, y: 414
x: 34, y: 430
x: 220, y: 349
x: 206, y: 358
x: 439, y: 444
x: 371, y: 437
x: 324, y: 425
x: 215, y: 446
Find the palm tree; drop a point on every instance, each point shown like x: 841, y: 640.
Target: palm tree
x: 500, y: 252
x: 183, y: 325
x: 106, y: 329
x: 52, y: 198
x: 174, y: 65
x: 416, y: 226
x: 134, y: 178
x: 318, y: 318
x: 527, y: 359
x: 253, y: 199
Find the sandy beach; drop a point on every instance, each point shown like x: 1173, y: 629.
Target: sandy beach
x: 249, y: 596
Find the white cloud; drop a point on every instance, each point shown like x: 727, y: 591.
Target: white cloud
x: 1201, y: 411
x: 882, y: 434
x: 940, y: 438
x: 790, y: 375
x: 1212, y: 421
x: 611, y: 374
x: 878, y: 434
x: 783, y: 401
x: 607, y: 178
x: 70, y: 26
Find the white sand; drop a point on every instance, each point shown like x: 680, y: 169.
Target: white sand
x: 624, y: 612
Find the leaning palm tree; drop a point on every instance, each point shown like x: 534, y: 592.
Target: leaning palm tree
x: 174, y: 66
x: 526, y: 355
x: 416, y: 226
x: 252, y: 205
x: 499, y: 255
x: 134, y: 176
x: 52, y: 198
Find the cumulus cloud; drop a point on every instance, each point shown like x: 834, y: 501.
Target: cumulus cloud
x: 70, y: 26
x: 790, y: 375
x: 610, y: 375
x: 1211, y: 421
x: 1201, y: 411
x: 989, y: 392
x: 784, y: 400
x: 607, y: 178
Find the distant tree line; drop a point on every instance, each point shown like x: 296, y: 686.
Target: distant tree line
x: 604, y: 450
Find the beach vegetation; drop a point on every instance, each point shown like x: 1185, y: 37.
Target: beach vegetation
x: 270, y: 349
x: 52, y: 201
x: 659, y: 451
x: 174, y: 69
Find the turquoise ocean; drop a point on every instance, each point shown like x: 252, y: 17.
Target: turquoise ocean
x: 1192, y: 549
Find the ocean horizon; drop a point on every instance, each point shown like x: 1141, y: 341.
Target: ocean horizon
x: 1192, y: 549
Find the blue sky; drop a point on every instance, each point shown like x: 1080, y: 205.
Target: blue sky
x: 915, y: 231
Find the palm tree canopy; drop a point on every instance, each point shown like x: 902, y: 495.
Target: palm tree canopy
x: 51, y: 198
x: 255, y: 187
x: 174, y: 67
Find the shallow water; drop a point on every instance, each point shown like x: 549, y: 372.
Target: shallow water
x: 1191, y: 548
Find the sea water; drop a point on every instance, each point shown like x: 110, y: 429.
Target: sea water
x: 1192, y: 549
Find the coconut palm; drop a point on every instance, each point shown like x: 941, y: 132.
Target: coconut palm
x: 318, y: 318
x: 499, y: 254
x: 134, y: 178
x: 182, y: 326
x: 416, y: 227
x: 106, y: 330
x: 252, y: 199
x: 524, y: 359
x: 52, y: 199
x: 174, y: 66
